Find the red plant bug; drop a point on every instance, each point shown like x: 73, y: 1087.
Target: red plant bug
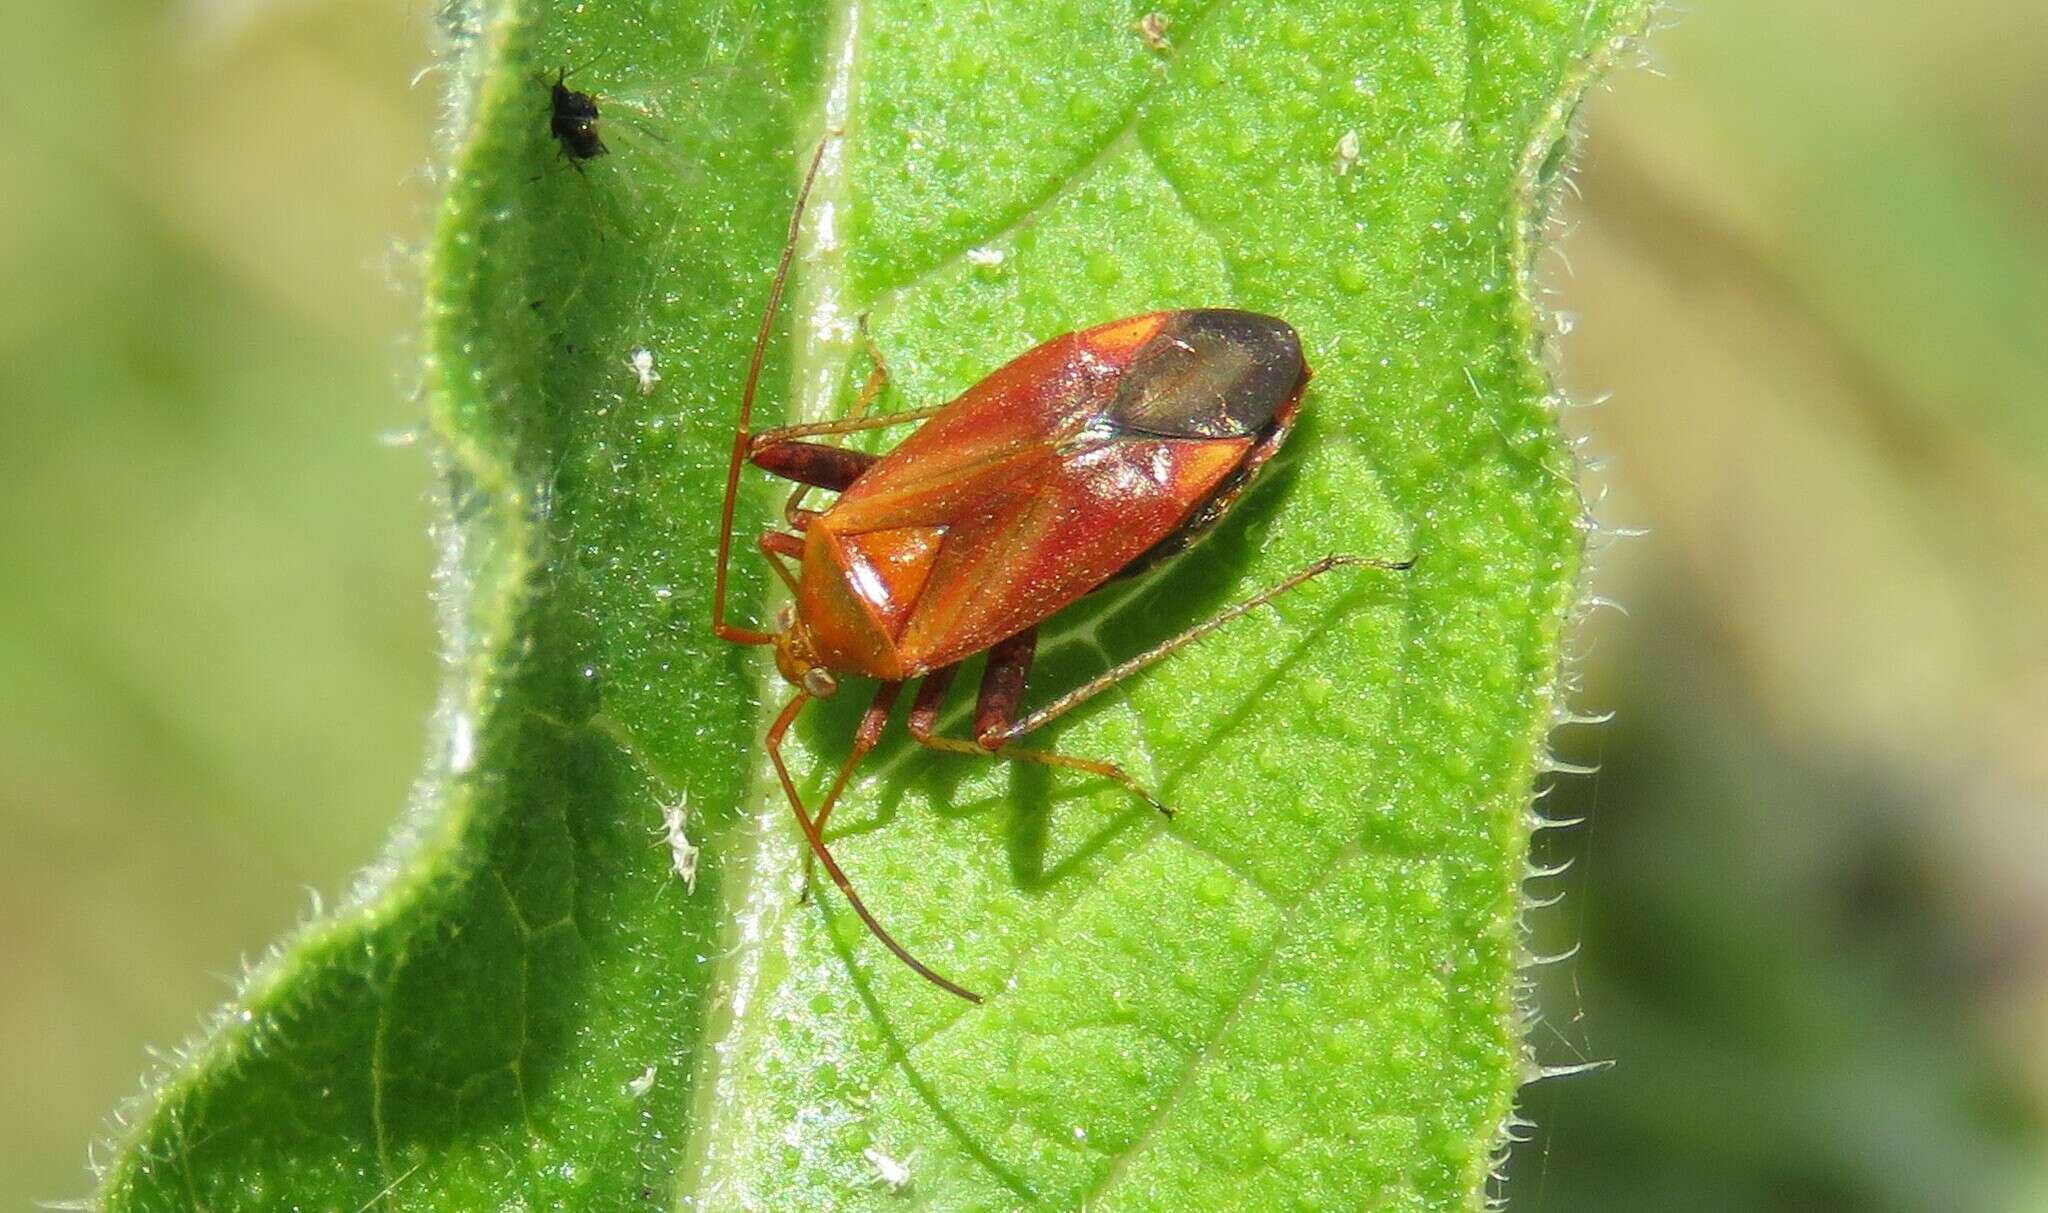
x: 1086, y: 458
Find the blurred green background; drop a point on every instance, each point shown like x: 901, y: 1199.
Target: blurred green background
x: 1809, y: 266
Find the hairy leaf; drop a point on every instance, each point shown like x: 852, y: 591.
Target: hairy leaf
x: 1299, y: 993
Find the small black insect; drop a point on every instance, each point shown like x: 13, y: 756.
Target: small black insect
x: 572, y: 118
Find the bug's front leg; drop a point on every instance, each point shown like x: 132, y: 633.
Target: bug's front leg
x: 813, y: 465
x: 850, y: 425
x: 779, y: 549
x: 859, y: 418
x: 996, y: 713
x: 816, y: 465
x: 872, y: 722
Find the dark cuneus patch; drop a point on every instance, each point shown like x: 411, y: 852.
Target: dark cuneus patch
x: 572, y: 119
x: 1211, y: 373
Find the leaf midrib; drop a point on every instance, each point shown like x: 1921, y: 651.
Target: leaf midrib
x: 752, y: 895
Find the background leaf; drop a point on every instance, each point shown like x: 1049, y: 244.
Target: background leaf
x: 1300, y: 992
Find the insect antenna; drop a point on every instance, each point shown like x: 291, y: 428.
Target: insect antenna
x: 562, y: 74
x: 743, y: 435
x: 832, y: 868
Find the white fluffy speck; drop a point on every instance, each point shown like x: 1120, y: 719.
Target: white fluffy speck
x: 895, y: 1174
x: 641, y: 363
x: 1347, y: 153
x: 682, y: 852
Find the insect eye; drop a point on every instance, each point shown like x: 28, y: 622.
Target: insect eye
x: 819, y: 682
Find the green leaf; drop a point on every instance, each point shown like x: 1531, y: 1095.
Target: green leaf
x: 1300, y: 993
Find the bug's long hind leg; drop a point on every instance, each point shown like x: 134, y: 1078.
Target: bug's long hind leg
x: 1159, y: 652
x: 776, y: 732
x: 872, y: 722
x: 1002, y: 689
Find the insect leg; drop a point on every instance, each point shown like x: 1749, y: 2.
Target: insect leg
x: 848, y: 425
x: 931, y: 696
x: 811, y: 465
x: 777, y: 547
x: 776, y: 732
x: 793, y: 511
x: 872, y: 722
x: 1002, y: 689
x: 1109, y: 678
x: 878, y: 374
x: 818, y: 465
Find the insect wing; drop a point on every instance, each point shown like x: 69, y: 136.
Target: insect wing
x: 1062, y: 529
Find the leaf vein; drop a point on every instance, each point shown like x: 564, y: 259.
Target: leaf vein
x: 1125, y: 132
